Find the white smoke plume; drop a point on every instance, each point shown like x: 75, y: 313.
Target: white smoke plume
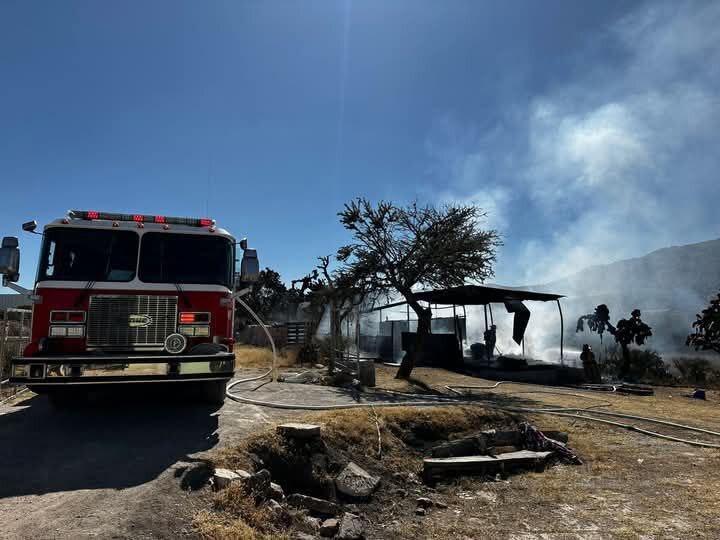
x: 614, y: 162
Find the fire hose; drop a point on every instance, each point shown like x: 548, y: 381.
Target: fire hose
x: 435, y: 401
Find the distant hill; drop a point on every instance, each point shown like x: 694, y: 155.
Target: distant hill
x: 669, y: 286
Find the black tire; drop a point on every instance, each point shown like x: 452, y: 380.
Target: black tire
x: 214, y: 392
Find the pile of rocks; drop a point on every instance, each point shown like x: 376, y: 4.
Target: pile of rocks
x: 312, y: 516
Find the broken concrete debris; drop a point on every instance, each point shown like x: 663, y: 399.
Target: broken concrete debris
x: 274, y: 506
x: 244, y: 475
x: 309, y: 524
x: 294, y: 430
x: 489, y: 442
x: 275, y: 492
x: 494, y: 452
x: 223, y: 477
x: 259, y: 483
x: 435, y: 468
x: 313, y: 504
x: 329, y: 527
x: 420, y: 511
x: 351, y: 527
x: 355, y: 482
x: 424, y: 502
x: 466, y: 446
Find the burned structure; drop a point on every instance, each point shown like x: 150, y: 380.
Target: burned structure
x: 445, y: 346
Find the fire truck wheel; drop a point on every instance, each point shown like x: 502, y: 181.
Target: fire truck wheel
x: 62, y: 399
x: 214, y: 392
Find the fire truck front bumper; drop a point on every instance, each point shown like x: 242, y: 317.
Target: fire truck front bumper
x: 62, y: 370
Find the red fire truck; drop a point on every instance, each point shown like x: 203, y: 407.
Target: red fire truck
x: 129, y: 298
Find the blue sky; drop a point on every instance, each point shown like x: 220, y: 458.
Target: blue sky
x: 588, y: 130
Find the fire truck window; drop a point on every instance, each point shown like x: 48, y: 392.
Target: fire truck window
x: 186, y: 258
x: 88, y: 255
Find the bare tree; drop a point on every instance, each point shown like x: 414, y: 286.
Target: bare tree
x: 400, y: 248
x: 707, y: 328
x: 341, y: 294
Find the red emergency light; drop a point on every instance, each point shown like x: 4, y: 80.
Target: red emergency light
x: 140, y: 218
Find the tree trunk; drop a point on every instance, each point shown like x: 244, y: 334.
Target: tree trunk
x: 423, y: 330
x: 625, y: 367
x: 334, y: 341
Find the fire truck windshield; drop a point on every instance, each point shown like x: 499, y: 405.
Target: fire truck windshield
x: 70, y: 254
x: 74, y: 254
x: 186, y: 258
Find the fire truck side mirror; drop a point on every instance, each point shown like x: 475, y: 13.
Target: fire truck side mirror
x: 29, y: 226
x: 249, y: 266
x: 10, y: 259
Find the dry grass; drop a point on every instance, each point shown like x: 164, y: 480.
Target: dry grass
x: 352, y: 434
x: 218, y: 526
x: 249, y: 356
x: 236, y: 516
x: 629, y: 486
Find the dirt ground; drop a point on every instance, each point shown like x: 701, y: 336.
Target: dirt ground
x: 121, y: 468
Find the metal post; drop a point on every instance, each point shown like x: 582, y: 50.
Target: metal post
x: 357, y: 340
x: 491, y: 316
x: 562, y: 332
x: 485, y: 309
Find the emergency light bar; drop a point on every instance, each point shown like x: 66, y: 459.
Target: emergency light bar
x: 140, y: 218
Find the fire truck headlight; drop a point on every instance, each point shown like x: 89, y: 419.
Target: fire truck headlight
x: 58, y: 331
x: 20, y: 371
x: 75, y: 331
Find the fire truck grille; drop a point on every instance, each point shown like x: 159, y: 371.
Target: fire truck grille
x: 140, y: 322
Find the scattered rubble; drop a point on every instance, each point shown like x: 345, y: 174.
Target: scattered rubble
x: 496, y: 453
x: 324, y: 486
x: 329, y: 527
x: 355, y: 482
x: 275, y: 492
x: 351, y: 527
x: 435, y: 468
x: 310, y: 525
x: 424, y: 502
x: 223, y: 477
x: 275, y: 507
x: 466, y: 446
x: 259, y: 483
x: 313, y: 504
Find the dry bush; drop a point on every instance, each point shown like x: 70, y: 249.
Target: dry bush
x: 697, y: 371
x: 249, y: 356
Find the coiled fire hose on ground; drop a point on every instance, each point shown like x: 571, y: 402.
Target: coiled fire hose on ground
x: 463, y: 400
